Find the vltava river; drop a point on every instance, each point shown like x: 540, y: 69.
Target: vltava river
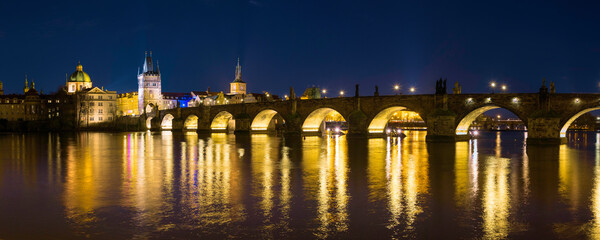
x: 184, y: 185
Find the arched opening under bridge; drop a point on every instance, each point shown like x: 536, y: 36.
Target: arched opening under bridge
x: 393, y: 120
x: 149, y: 108
x: 191, y: 122
x: 149, y: 123
x: 583, y: 121
x: 497, y: 119
x: 167, y: 122
x: 267, y: 120
x: 223, y: 121
x: 325, y: 120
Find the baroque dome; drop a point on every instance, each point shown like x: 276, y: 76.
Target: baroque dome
x: 79, y: 75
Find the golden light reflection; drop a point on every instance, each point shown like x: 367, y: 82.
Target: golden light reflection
x: 263, y: 173
x: 398, y: 174
x: 326, y: 174
x: 496, y: 199
x: 466, y: 167
x: 570, y: 173
x: 595, y: 199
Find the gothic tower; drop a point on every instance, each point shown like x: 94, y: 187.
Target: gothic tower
x: 238, y: 86
x: 149, y: 86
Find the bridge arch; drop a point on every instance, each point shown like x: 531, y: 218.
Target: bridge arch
x: 315, y: 119
x: 262, y: 120
x: 380, y: 121
x: 222, y: 121
x: 191, y: 122
x: 567, y: 124
x: 149, y: 108
x: 149, y: 123
x: 465, y: 122
x: 167, y: 122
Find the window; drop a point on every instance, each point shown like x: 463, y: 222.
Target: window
x: 109, y: 97
x: 100, y: 104
x: 99, y: 118
x: 99, y: 110
x: 100, y: 97
x: 91, y: 118
x: 154, y: 84
x: 109, y: 118
x: 92, y: 104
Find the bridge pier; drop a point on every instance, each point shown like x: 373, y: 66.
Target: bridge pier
x: 441, y: 127
x: 358, y: 124
x: 242, y: 123
x: 544, y: 131
x: 177, y: 124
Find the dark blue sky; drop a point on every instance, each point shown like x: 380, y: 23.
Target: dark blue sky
x: 332, y: 44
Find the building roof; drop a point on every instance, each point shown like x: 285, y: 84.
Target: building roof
x: 79, y: 75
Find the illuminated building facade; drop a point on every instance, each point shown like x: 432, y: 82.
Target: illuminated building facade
x: 149, y: 86
x: 96, y: 106
x: 128, y: 104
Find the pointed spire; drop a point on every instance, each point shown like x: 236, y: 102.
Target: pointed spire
x: 157, y: 67
x: 32, y: 84
x: 148, y: 67
x: 26, y: 88
x: 238, y: 71
x: 66, y: 79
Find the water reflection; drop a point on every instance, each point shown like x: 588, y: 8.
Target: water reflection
x: 325, y: 161
x: 187, y: 185
x: 398, y: 175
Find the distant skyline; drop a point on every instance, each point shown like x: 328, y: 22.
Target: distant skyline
x: 332, y: 44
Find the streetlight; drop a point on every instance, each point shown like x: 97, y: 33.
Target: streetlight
x: 396, y: 88
x: 412, y: 89
x: 324, y: 91
x: 503, y: 87
x: 493, y: 85
x: 342, y: 93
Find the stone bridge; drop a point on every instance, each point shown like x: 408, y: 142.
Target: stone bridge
x: 547, y: 116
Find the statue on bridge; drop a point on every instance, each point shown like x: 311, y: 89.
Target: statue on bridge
x: 440, y: 86
x: 457, y: 88
x: 552, y: 88
x: 376, y: 91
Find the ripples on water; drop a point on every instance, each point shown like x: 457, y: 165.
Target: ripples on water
x: 184, y: 185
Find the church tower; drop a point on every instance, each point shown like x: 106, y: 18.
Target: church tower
x: 149, y: 86
x: 238, y: 86
x: 26, y: 88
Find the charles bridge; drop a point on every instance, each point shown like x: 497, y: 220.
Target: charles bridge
x: 547, y: 116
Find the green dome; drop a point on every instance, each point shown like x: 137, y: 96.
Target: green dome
x: 79, y: 75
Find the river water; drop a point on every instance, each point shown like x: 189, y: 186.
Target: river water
x: 184, y: 185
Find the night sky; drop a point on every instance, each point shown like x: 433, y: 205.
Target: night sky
x: 280, y: 44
